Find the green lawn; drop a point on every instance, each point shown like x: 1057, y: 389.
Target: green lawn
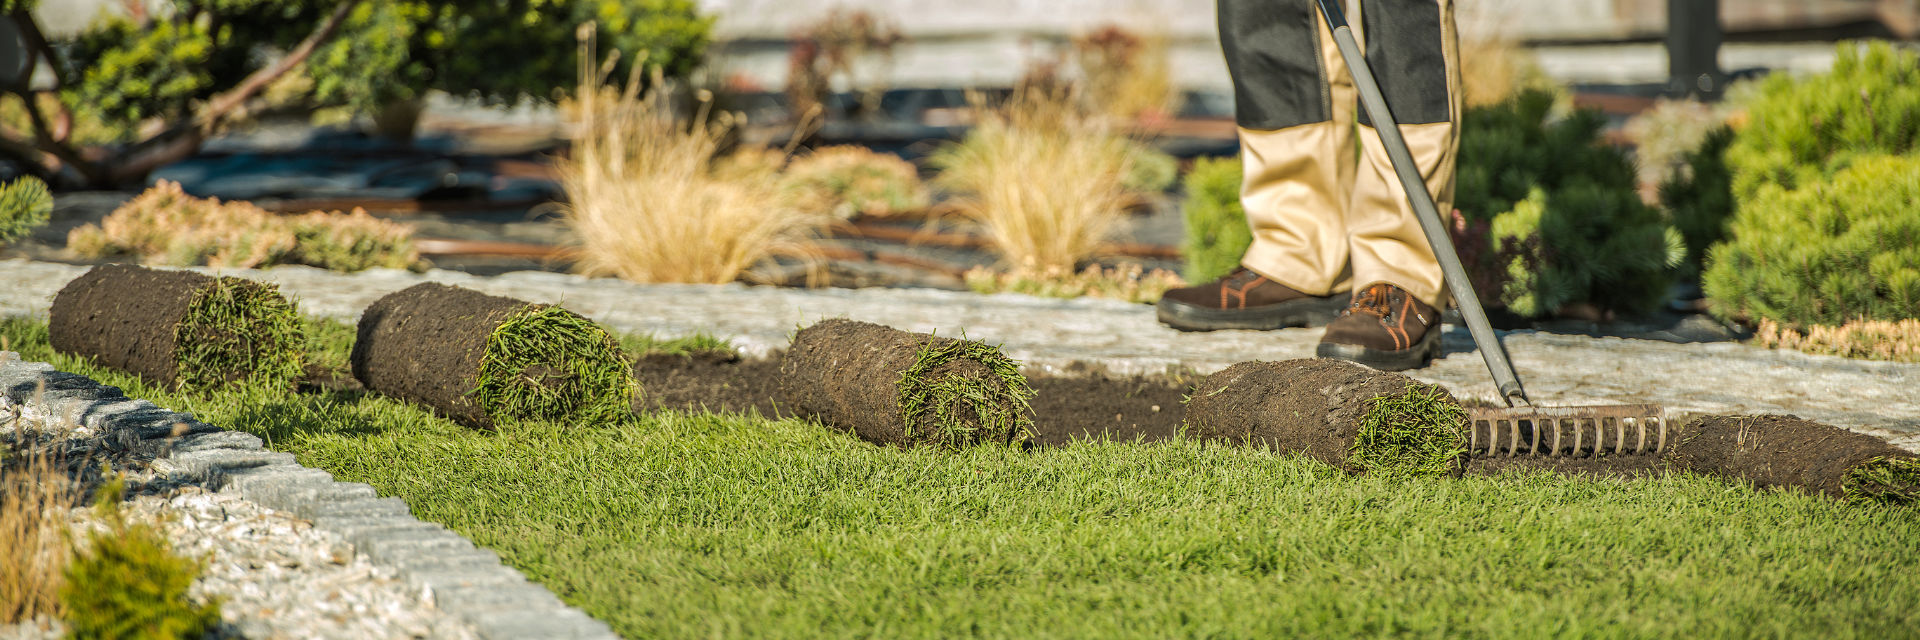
x: 681, y: 525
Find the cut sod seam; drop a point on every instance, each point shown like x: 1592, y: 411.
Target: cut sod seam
x: 1001, y: 408
x: 236, y: 328
x: 1413, y: 433
x: 1883, y: 480
x: 545, y: 363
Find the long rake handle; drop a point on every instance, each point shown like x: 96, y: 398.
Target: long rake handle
x: 1423, y: 208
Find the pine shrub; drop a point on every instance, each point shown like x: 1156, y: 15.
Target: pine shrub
x: 24, y: 206
x: 1567, y: 224
x: 166, y: 226
x: 127, y: 583
x: 1217, y: 231
x: 1801, y: 130
x: 1699, y: 198
x: 1841, y: 249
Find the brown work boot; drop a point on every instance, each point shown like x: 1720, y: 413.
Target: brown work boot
x: 1245, y: 300
x: 1385, y: 328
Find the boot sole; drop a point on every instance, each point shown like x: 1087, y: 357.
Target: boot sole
x: 1305, y: 312
x: 1413, y: 357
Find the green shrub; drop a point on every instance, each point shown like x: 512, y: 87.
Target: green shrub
x: 1217, y: 231
x: 126, y: 583
x: 1699, y: 198
x: 24, y: 206
x: 1843, y: 249
x: 166, y: 226
x: 1149, y: 170
x: 850, y: 180
x: 1567, y: 224
x: 1801, y: 130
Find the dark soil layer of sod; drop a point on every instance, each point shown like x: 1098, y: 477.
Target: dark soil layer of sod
x: 1121, y: 408
x: 178, y: 328
x: 901, y: 388
x: 1340, y: 413
x: 482, y: 360
x: 1786, y: 451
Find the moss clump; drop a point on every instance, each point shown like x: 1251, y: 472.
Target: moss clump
x: 1411, y: 434
x: 547, y: 363
x: 125, y: 582
x: 238, y: 329
x: 944, y: 403
x: 1883, y: 480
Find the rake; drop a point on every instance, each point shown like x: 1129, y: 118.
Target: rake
x: 1520, y: 428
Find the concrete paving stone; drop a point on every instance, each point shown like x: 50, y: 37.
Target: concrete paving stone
x: 206, y: 461
x: 466, y: 600
x: 235, y: 440
x: 360, y: 507
x: 471, y: 557
x: 475, y: 576
x: 363, y: 530
x: 539, y: 624
x: 305, y: 497
x: 392, y: 547
x: 250, y: 482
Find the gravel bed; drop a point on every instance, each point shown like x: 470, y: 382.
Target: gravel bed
x: 293, y: 553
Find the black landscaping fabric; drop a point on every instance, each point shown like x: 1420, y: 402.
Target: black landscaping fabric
x: 850, y: 374
x: 1786, y: 451
x: 127, y: 317
x: 1311, y: 407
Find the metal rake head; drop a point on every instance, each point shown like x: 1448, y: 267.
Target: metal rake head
x: 1625, y: 429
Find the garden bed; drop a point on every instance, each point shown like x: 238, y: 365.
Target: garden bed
x: 707, y: 523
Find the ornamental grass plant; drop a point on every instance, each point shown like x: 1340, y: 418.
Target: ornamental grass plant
x: 647, y: 200
x: 1046, y: 179
x: 35, y: 493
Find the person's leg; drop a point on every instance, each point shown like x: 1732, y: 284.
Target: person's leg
x: 1298, y: 159
x: 1394, y: 318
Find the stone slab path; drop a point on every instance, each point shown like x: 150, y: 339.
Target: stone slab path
x: 1061, y: 336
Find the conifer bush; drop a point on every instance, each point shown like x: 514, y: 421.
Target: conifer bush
x: 1699, y: 198
x: 1842, y: 249
x: 1824, y: 188
x: 1217, y: 231
x: 126, y: 582
x: 1800, y: 131
x: 1567, y: 226
x: 24, y: 206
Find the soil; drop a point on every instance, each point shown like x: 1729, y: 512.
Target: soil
x: 1122, y: 409
x: 424, y: 344
x: 1777, y: 451
x: 850, y: 374
x: 1273, y: 404
x: 125, y: 316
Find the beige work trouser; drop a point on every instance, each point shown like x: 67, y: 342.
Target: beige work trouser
x: 1323, y: 220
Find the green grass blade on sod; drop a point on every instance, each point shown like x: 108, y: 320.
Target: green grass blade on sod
x: 681, y: 525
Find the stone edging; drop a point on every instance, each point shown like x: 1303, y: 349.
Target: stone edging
x: 464, y: 580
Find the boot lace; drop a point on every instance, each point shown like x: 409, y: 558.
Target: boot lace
x: 1373, y: 301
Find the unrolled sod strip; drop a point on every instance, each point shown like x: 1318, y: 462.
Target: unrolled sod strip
x: 905, y: 389
x: 179, y: 328
x: 1344, y: 414
x: 1786, y: 451
x: 484, y: 360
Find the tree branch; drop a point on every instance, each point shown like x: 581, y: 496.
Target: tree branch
x: 184, y: 139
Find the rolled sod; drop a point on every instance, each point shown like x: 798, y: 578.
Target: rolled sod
x: 484, y: 361
x: 179, y: 328
x: 1340, y: 413
x: 905, y: 389
x: 1786, y: 451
